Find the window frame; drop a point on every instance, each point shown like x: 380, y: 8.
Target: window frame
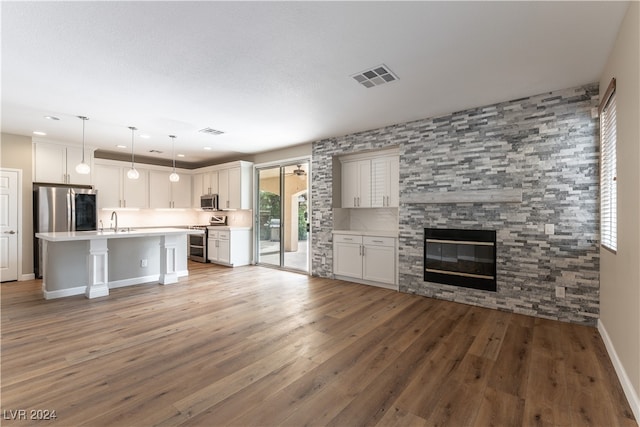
x: 608, y: 169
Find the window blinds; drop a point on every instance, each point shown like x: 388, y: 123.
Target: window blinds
x: 608, y: 178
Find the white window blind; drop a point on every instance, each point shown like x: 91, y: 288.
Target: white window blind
x: 608, y: 173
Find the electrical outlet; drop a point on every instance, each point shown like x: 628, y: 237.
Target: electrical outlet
x: 560, y: 292
x: 324, y: 260
x: 549, y: 229
x: 143, y: 263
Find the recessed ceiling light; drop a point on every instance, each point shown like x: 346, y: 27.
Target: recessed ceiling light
x: 51, y: 118
x: 121, y: 146
x: 180, y: 155
x: 145, y: 136
x: 37, y: 132
x: 207, y: 148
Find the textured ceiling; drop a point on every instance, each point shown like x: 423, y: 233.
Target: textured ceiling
x: 273, y: 74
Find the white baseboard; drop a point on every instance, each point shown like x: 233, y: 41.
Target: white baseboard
x: 627, y: 386
x: 25, y: 277
x: 61, y: 293
x: 134, y: 281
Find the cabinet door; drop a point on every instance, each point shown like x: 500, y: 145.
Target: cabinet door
x: 350, y: 184
x: 224, y: 251
x: 235, y: 188
x: 74, y: 157
x: 212, y: 180
x: 378, y: 264
x: 108, y: 181
x: 385, y: 182
x: 159, y: 190
x: 199, y: 189
x: 181, y: 192
x: 212, y: 249
x: 223, y: 189
x: 347, y: 259
x: 50, y: 163
x: 135, y: 192
x: 356, y: 184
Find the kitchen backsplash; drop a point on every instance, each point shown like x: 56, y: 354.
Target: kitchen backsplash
x: 173, y: 218
x: 369, y: 219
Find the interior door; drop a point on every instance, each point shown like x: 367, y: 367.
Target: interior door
x: 8, y: 226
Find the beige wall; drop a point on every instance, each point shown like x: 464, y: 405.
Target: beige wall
x: 620, y: 272
x: 295, y: 152
x: 15, y: 153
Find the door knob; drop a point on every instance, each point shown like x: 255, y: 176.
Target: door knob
x: 10, y: 232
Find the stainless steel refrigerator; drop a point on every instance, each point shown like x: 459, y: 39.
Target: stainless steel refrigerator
x: 61, y: 208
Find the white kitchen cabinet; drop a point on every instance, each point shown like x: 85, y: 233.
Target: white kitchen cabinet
x: 365, y: 259
x: 166, y: 194
x: 203, y: 184
x: 229, y: 247
x: 116, y: 190
x: 356, y: 184
x: 56, y: 163
x: 347, y: 255
x: 385, y: 186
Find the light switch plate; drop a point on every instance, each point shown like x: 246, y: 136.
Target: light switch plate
x: 549, y: 229
x: 560, y: 292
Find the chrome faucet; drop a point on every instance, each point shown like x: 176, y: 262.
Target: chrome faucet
x: 114, y: 213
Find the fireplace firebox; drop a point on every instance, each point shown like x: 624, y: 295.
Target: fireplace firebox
x: 464, y: 258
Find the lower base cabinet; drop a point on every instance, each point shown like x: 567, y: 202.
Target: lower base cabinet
x: 365, y: 258
x: 229, y: 247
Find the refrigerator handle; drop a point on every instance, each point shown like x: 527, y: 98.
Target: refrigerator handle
x: 71, y: 208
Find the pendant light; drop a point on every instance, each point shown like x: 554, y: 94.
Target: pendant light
x: 174, y: 177
x: 132, y: 173
x: 82, y: 168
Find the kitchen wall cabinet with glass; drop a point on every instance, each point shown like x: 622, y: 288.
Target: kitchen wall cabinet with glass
x: 370, y: 180
x: 116, y: 190
x: 56, y: 163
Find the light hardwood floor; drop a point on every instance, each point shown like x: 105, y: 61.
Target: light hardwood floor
x: 256, y: 346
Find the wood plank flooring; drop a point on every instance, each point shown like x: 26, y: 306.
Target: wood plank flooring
x: 254, y: 346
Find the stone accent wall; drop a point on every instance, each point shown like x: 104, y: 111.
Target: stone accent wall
x: 544, y: 145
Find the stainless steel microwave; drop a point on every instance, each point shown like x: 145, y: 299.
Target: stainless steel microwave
x: 209, y: 202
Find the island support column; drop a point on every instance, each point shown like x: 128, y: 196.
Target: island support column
x: 97, y: 269
x: 168, y: 244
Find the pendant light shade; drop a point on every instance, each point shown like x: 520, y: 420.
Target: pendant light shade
x: 83, y: 168
x: 174, y: 177
x: 132, y: 173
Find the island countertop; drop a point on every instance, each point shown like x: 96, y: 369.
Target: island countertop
x: 65, y: 236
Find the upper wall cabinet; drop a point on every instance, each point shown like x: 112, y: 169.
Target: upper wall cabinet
x: 56, y: 163
x: 116, y: 190
x: 230, y: 181
x: 166, y: 194
x: 370, y: 180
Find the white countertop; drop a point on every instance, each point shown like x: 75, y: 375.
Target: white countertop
x: 226, y: 227
x: 65, y: 236
x: 380, y: 233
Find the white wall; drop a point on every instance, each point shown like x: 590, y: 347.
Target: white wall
x: 620, y: 272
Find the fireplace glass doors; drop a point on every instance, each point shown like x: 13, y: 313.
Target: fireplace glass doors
x: 464, y: 258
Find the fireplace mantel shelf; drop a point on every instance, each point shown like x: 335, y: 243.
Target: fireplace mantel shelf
x: 471, y: 196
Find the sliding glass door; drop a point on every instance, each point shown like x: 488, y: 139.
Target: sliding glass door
x: 282, y: 220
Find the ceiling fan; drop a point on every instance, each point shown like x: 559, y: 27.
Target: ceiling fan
x: 298, y: 172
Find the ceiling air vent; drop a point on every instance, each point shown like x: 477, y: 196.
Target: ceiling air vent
x: 375, y: 76
x: 211, y: 131
x: 155, y: 151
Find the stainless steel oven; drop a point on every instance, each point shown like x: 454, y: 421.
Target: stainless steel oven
x: 198, y: 244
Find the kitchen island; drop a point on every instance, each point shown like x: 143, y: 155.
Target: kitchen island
x: 92, y: 262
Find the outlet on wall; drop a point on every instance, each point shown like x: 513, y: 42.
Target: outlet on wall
x: 560, y: 292
x: 549, y: 229
x: 143, y: 263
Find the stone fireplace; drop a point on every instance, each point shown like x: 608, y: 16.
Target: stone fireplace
x: 464, y: 258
